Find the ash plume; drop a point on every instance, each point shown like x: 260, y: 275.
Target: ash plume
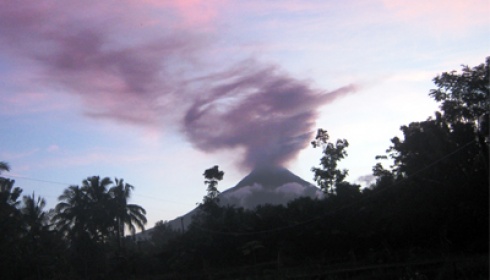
x: 126, y: 73
x: 267, y: 113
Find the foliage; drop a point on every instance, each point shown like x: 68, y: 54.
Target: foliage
x: 28, y: 245
x: 212, y: 176
x: 4, y: 166
x: 464, y: 97
x: 96, y: 211
x: 441, y: 164
x: 461, y: 128
x: 125, y: 214
x: 328, y: 175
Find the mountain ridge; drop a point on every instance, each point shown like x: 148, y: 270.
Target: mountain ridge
x: 269, y: 177
x: 264, y: 185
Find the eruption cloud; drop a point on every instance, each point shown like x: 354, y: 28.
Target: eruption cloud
x: 267, y: 113
x: 146, y: 76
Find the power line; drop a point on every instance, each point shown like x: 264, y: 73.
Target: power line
x: 37, y: 180
x: 9, y: 176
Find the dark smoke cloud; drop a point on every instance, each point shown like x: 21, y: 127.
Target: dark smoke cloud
x: 78, y: 49
x: 142, y: 79
x: 258, y: 108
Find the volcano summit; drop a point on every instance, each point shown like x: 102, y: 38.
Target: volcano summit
x: 268, y: 185
x: 265, y: 185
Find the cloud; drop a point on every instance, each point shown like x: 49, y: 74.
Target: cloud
x: 250, y: 197
x: 124, y: 80
x: 192, y: 13
x: 258, y: 108
x: 146, y: 77
x: 366, y: 180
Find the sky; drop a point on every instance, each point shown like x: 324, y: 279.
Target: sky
x: 155, y: 92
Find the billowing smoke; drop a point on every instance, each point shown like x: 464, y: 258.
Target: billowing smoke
x: 118, y: 66
x: 142, y: 76
x: 267, y: 113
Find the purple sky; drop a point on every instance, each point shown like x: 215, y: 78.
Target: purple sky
x: 156, y: 92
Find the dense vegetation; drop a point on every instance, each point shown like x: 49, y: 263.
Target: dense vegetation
x: 425, y: 217
x: 82, y: 237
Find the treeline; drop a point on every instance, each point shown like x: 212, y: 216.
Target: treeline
x: 83, y: 237
x: 429, y: 205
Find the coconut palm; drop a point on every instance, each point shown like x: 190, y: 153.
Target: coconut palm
x: 33, y: 215
x: 74, y: 218
x: 11, y: 229
x: 8, y: 194
x: 71, y: 215
x: 96, y: 188
x: 92, y: 211
x: 125, y: 214
x: 99, y: 205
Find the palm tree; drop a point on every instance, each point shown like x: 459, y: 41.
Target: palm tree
x: 125, y: 214
x: 71, y: 215
x: 11, y: 227
x: 74, y: 218
x: 96, y: 188
x: 8, y: 195
x: 33, y: 214
x: 101, y: 217
x: 91, y: 212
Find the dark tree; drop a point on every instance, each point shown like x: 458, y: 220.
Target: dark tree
x: 92, y: 217
x: 125, y: 214
x: 35, y: 218
x: 4, y: 166
x: 441, y: 165
x: 10, y: 225
x: 212, y: 176
x: 328, y: 175
x: 464, y: 97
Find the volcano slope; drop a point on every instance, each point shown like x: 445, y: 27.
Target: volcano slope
x: 272, y: 185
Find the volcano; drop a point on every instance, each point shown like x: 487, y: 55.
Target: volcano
x: 265, y: 185
x: 268, y: 185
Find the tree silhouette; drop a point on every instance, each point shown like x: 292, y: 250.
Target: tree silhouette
x: 441, y: 165
x: 328, y: 175
x: 11, y: 230
x: 10, y: 216
x: 34, y: 217
x: 4, y: 166
x: 212, y: 176
x: 98, y: 209
x: 92, y: 216
x: 464, y: 96
x: 98, y: 206
x: 71, y: 215
x: 125, y: 214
